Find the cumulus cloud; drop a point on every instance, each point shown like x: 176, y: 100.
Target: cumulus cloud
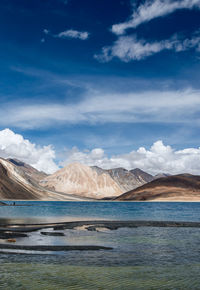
x: 128, y: 48
x: 148, y: 106
x: 159, y: 158
x: 13, y: 145
x: 153, y: 9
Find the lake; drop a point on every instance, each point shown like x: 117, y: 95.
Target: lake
x: 142, y: 258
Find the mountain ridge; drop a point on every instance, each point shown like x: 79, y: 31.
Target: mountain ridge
x: 82, y: 180
x: 15, y: 186
x: 175, y: 188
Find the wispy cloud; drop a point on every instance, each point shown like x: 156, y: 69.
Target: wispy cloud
x: 149, y: 106
x: 128, y: 48
x: 70, y: 33
x: 83, y: 35
x: 153, y: 9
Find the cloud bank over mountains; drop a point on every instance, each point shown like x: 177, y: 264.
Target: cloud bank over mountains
x: 15, y: 146
x: 159, y: 158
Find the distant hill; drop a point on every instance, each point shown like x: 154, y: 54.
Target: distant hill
x: 183, y: 187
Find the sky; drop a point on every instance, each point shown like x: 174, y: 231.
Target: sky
x: 112, y: 83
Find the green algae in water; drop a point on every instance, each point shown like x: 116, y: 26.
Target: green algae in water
x: 50, y: 277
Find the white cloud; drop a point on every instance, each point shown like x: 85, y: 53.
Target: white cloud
x: 159, y: 158
x: 148, y: 106
x: 128, y: 48
x: 15, y: 146
x: 153, y: 9
x: 71, y: 33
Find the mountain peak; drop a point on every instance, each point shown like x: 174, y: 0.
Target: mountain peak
x: 79, y: 179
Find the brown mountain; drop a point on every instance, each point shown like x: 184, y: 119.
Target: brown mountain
x: 82, y: 180
x: 184, y: 187
x: 15, y: 186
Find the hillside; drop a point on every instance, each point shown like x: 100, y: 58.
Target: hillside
x: 184, y: 187
x: 30, y: 172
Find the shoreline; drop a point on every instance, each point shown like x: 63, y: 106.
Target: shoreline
x: 3, y: 202
x: 110, y: 224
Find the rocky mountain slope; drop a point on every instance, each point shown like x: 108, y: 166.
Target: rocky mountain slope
x: 82, y: 180
x: 142, y: 176
x: 28, y: 171
x: 184, y: 187
x: 15, y: 185
x: 126, y: 179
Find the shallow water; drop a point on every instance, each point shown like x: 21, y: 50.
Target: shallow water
x: 62, y: 277
x: 142, y: 258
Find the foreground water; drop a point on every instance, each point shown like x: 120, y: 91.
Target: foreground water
x: 142, y: 258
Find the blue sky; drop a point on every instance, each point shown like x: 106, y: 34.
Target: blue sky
x: 109, y: 74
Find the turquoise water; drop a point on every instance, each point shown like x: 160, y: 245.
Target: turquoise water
x: 142, y: 258
x: 59, y: 211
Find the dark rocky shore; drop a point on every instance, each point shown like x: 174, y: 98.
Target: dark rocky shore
x: 54, y: 248
x: 111, y: 225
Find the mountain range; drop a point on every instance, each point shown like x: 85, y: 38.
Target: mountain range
x: 19, y: 181
x: 95, y: 182
x: 76, y: 181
